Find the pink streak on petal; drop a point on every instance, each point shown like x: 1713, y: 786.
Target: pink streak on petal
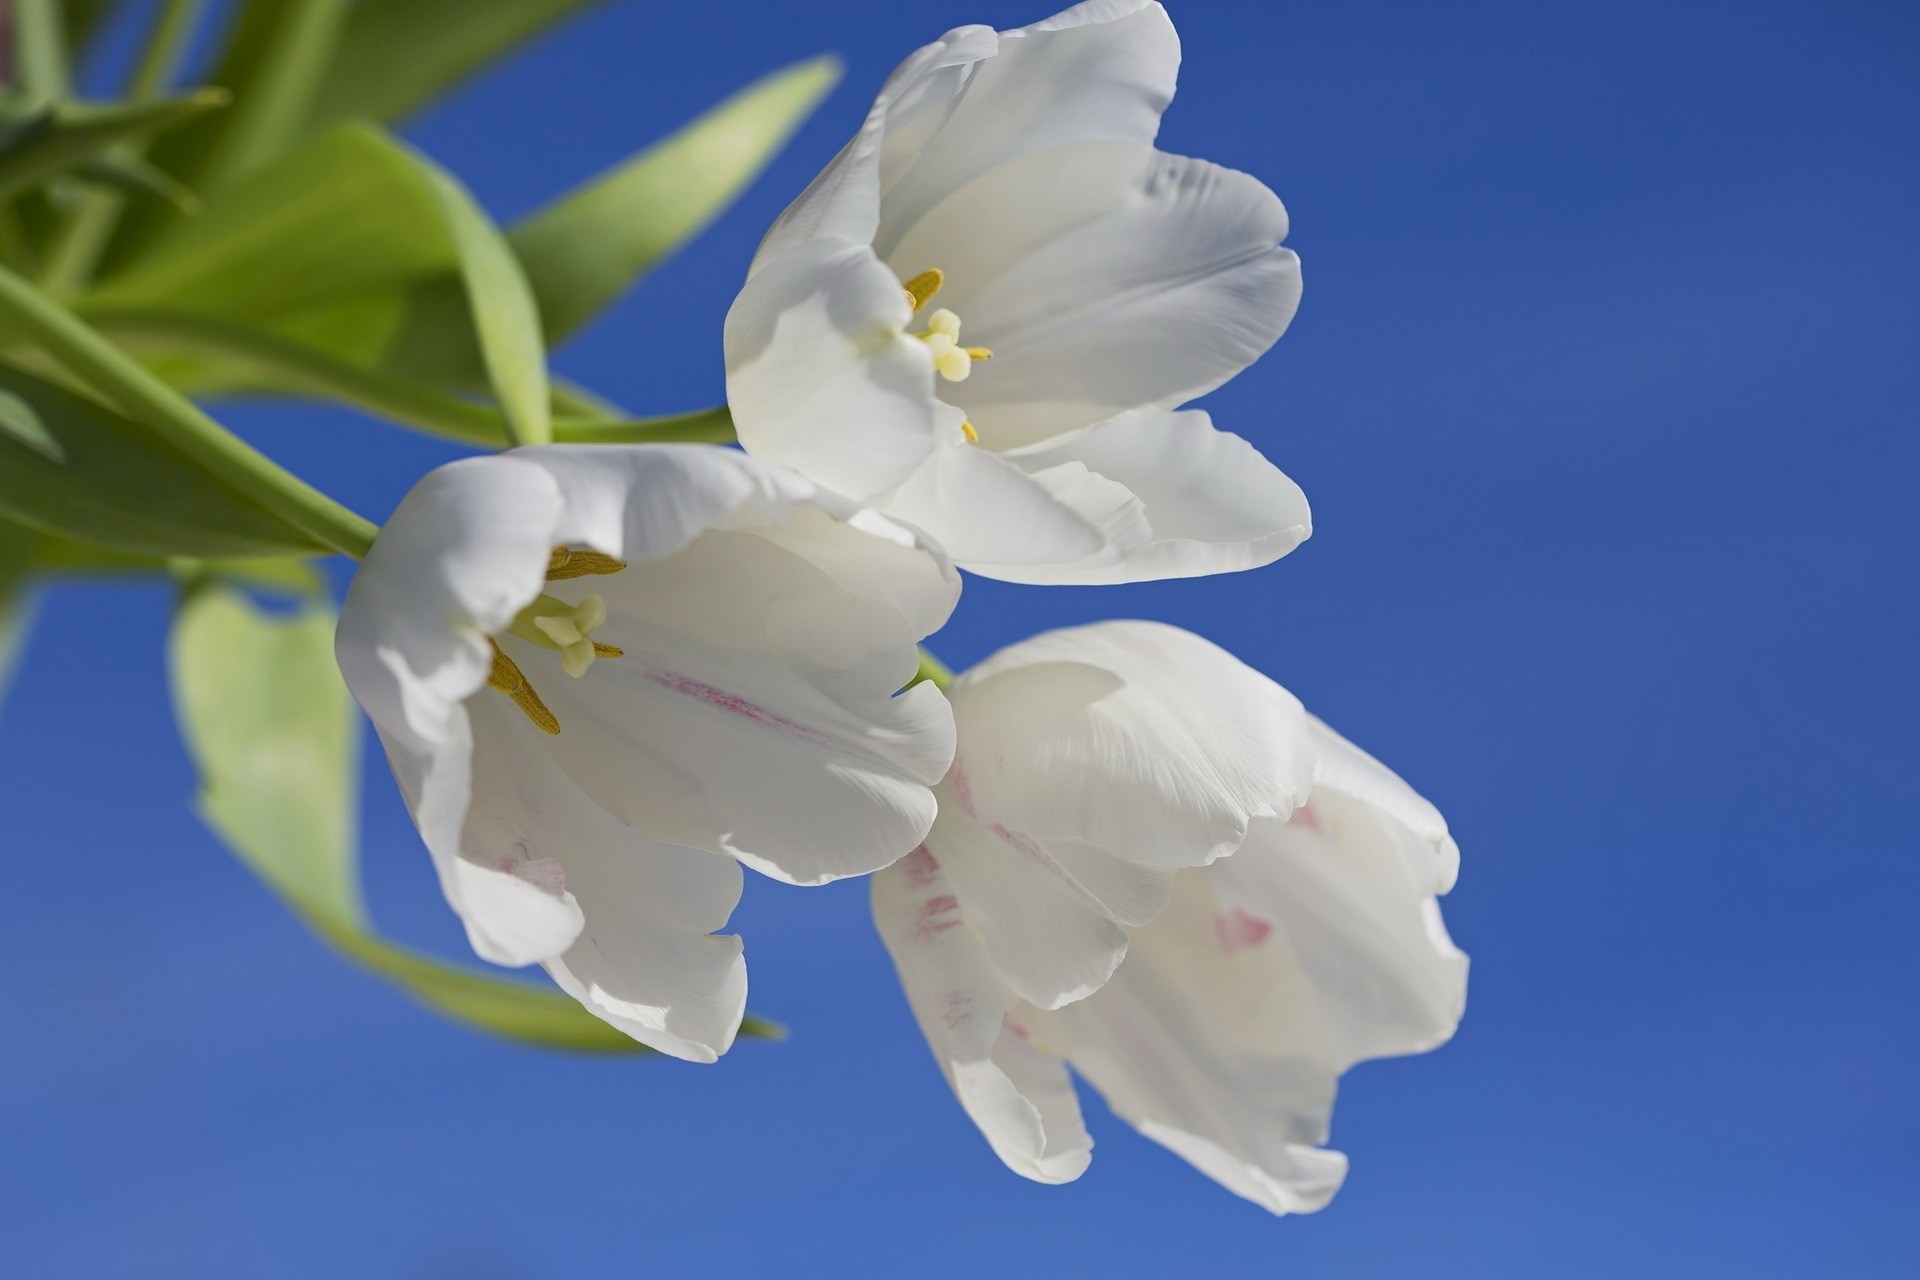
x: 937, y: 915
x: 922, y: 867
x: 1305, y: 816
x: 736, y: 705
x: 1237, y: 930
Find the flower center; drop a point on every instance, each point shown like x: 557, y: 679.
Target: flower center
x: 942, y: 335
x: 557, y: 625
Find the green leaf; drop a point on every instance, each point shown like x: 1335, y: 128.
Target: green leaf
x: 275, y: 736
x: 272, y: 62
x: 63, y: 137
x: 347, y: 216
x: 102, y: 478
x: 582, y: 251
x: 321, y: 246
x: 502, y: 309
x: 38, y: 45
x: 17, y: 546
x: 395, y: 56
x: 129, y: 174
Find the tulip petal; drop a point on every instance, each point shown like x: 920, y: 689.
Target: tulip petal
x: 643, y: 959
x: 1139, y: 738
x: 759, y: 720
x: 1101, y: 71
x: 1213, y: 1048
x: 997, y: 520
x: 1022, y: 1099
x: 1343, y: 767
x: 822, y: 375
x: 465, y: 551
x: 1050, y: 938
x: 1159, y: 300
x: 1335, y: 882
x: 1210, y: 501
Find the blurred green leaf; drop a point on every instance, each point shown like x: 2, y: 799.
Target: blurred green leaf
x: 56, y: 139
x: 37, y: 41
x: 16, y: 601
x: 272, y: 60
x: 275, y: 736
x: 395, y: 56
x: 583, y: 250
x: 502, y: 309
x: 102, y: 478
x: 346, y: 216
x: 277, y: 741
x: 320, y: 248
x: 129, y: 174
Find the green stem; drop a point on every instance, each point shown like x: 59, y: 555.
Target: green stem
x: 40, y: 50
x: 301, y: 368
x: 120, y: 377
x: 933, y: 671
x: 82, y: 239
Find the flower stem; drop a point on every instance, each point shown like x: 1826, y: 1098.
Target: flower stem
x: 933, y: 671
x: 312, y: 372
x: 141, y: 394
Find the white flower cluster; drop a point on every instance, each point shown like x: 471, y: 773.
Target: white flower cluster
x: 608, y: 676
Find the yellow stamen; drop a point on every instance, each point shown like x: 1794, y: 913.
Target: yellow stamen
x: 924, y: 286
x: 608, y: 650
x: 567, y: 562
x: 507, y: 678
x: 979, y: 353
x: 966, y: 429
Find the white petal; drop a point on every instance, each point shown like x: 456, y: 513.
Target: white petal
x: 1335, y: 883
x: 1160, y: 300
x: 1213, y: 1049
x: 1013, y: 209
x: 1343, y: 767
x: 643, y: 960
x: 1097, y: 72
x: 1210, y: 502
x: 821, y: 374
x: 907, y: 573
x: 1139, y: 738
x: 1049, y: 937
x: 464, y: 552
x: 754, y: 711
x: 646, y: 502
x: 1021, y: 1099
x: 843, y: 201
x: 989, y: 515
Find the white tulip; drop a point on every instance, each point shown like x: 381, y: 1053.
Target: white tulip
x: 599, y: 671
x: 1127, y: 789
x: 1087, y: 285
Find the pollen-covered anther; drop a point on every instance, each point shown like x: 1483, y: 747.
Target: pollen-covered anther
x: 924, y: 286
x: 506, y: 677
x: 571, y: 562
x: 942, y: 336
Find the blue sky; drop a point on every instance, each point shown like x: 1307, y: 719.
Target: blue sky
x: 1603, y: 389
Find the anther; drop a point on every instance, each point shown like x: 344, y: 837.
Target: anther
x: 924, y: 286
x: 966, y: 429
x: 506, y: 677
x: 567, y: 562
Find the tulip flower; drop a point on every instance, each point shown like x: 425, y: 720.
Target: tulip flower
x: 607, y: 676
x: 982, y: 316
x: 1106, y: 811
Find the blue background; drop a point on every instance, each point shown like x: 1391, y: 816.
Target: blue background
x: 1603, y: 391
